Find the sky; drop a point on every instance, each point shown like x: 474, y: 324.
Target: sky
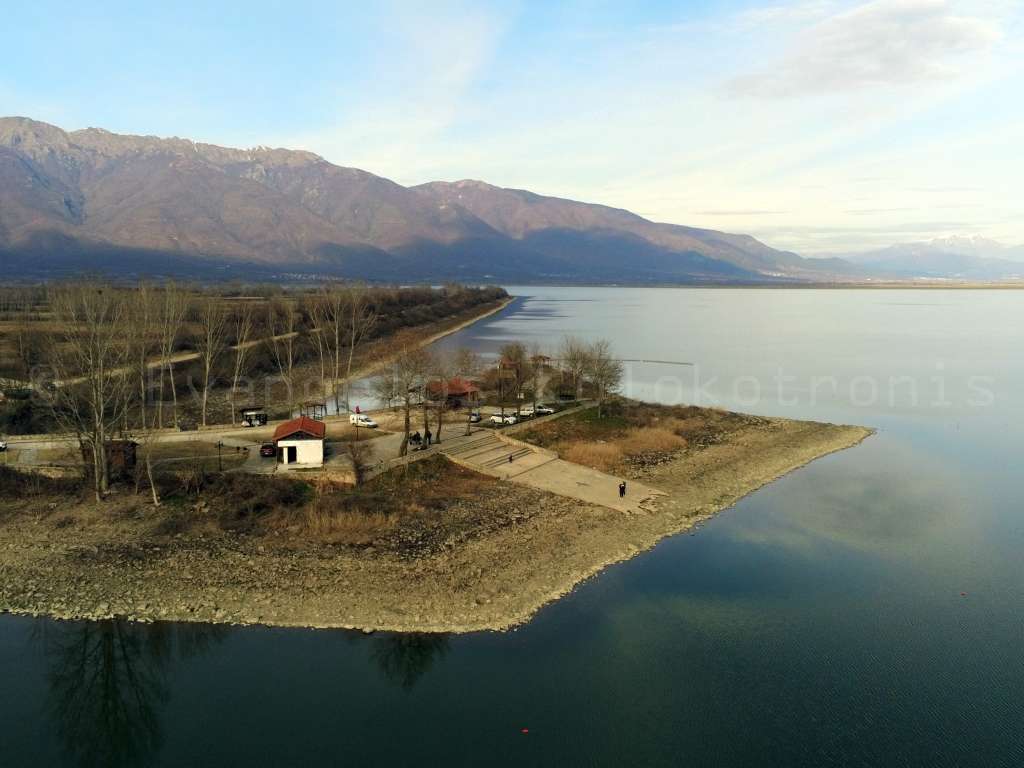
x: 820, y: 126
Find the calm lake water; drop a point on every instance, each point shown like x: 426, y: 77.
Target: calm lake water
x: 867, y: 610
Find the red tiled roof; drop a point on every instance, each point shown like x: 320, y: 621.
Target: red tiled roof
x: 457, y: 387
x: 303, y: 424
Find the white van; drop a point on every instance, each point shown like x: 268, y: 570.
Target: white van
x: 361, y: 420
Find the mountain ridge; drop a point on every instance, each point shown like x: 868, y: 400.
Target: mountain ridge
x: 67, y: 196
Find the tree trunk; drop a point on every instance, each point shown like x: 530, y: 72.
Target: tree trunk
x: 407, y: 407
x: 348, y: 378
x: 206, y: 387
x: 174, y: 392
x: 149, y: 475
x: 160, y: 403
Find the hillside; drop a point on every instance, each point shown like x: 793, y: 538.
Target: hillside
x: 97, y: 201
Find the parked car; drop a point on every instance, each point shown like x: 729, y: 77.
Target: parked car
x: 509, y: 418
x: 544, y: 410
x: 361, y: 420
x: 3, y: 445
x: 526, y: 412
x: 268, y: 449
x: 474, y: 417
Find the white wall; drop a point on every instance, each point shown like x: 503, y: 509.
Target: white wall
x: 306, y: 451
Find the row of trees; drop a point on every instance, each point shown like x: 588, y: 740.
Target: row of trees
x: 106, y: 344
x: 419, y: 378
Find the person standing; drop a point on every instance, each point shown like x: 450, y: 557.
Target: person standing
x: 427, y: 436
x: 622, y: 489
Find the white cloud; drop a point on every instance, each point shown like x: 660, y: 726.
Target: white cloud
x: 881, y: 43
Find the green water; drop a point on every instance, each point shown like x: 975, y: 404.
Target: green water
x: 866, y: 610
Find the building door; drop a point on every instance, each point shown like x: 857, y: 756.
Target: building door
x: 291, y: 454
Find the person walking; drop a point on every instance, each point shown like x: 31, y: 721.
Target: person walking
x: 622, y: 489
x: 427, y: 436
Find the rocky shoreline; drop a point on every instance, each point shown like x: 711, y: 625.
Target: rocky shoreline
x: 523, y: 549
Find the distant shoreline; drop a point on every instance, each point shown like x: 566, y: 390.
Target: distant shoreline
x: 783, y: 286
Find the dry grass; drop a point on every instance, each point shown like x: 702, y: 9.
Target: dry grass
x: 62, y: 454
x: 651, y: 440
x: 332, y: 525
x: 611, y: 455
x: 603, y: 456
x: 633, y: 432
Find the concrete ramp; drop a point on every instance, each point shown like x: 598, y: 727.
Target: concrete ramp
x: 517, y: 462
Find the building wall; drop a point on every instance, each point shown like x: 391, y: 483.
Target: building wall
x: 306, y: 451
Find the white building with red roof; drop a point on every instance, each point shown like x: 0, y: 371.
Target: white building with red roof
x: 300, y: 442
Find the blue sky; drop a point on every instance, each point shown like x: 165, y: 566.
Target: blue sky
x: 821, y: 126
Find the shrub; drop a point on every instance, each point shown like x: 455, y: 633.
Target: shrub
x: 340, y: 526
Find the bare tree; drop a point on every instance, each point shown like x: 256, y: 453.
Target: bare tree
x: 361, y: 317
x: 88, y: 353
x: 172, y: 310
x: 282, y: 340
x: 441, y: 371
x: 319, y: 335
x: 574, y: 355
x: 513, y: 372
x: 466, y: 364
x: 28, y: 343
x: 402, y: 382
x: 147, y: 439
x: 603, y: 370
x: 335, y: 321
x: 142, y: 314
x: 213, y: 326
x: 535, y: 373
x: 242, y: 324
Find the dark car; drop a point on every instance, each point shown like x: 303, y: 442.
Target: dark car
x: 268, y: 449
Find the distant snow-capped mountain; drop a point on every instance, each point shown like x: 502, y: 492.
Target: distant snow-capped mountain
x: 962, y: 258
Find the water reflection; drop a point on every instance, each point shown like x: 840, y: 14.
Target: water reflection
x: 403, y: 659
x: 108, y: 682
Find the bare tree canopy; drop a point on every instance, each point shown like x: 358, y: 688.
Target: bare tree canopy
x: 402, y: 382
x: 212, y: 342
x: 86, y: 356
x: 603, y: 370
x: 573, y: 354
x: 242, y: 324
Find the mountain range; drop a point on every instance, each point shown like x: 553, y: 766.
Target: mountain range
x: 949, y: 258
x: 98, y: 201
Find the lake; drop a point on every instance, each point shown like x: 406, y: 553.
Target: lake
x: 866, y: 610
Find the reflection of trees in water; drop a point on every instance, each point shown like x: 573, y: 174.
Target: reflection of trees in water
x: 405, y: 658
x: 108, y: 682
